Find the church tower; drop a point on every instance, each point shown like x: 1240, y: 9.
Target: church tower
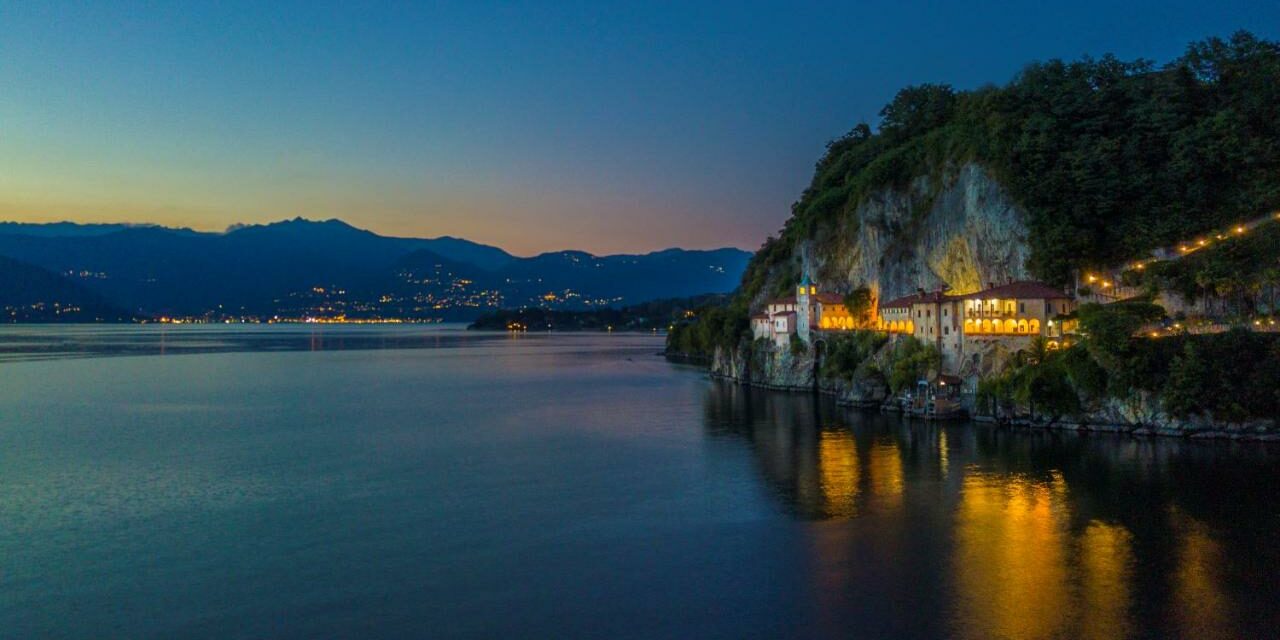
x: 804, y: 305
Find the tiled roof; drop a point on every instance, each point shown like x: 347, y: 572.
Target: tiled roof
x: 904, y: 301
x: 760, y: 316
x: 1025, y: 289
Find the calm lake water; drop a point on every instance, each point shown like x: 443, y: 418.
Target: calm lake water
x: 371, y: 482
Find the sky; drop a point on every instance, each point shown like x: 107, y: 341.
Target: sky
x: 606, y: 127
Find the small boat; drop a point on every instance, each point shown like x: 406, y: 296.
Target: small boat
x: 935, y: 399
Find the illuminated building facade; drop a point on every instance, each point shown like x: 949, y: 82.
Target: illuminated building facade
x: 959, y: 325
x: 806, y: 312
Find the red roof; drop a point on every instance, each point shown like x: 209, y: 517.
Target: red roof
x: 760, y: 316
x: 905, y: 301
x: 1025, y: 289
x: 902, y: 302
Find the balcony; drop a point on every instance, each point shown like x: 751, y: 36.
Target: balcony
x: 1014, y: 326
x: 984, y: 312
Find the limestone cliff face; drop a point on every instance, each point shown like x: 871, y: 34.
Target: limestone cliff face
x: 961, y: 230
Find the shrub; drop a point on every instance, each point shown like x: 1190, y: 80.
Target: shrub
x: 844, y: 353
x: 909, y: 361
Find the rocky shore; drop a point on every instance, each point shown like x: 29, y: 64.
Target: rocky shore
x: 760, y: 365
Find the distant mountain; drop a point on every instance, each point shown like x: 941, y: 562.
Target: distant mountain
x: 673, y: 273
x: 459, y: 250
x: 299, y: 267
x: 63, y: 229
x: 31, y: 294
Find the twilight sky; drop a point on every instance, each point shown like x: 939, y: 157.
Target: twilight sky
x: 607, y: 127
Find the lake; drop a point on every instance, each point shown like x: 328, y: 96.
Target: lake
x: 392, y: 482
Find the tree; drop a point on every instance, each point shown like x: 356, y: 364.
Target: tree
x: 917, y: 109
x: 1109, y: 329
x: 858, y: 302
x: 910, y: 361
x: 1190, y: 382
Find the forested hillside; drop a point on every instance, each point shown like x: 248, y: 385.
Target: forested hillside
x: 1109, y: 158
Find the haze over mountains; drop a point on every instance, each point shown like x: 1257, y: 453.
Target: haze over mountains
x: 297, y: 269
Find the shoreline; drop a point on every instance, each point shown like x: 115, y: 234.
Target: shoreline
x: 1131, y: 430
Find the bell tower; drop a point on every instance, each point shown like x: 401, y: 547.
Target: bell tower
x: 805, y: 293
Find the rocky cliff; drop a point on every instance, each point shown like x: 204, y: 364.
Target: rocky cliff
x: 1072, y: 165
x: 960, y: 229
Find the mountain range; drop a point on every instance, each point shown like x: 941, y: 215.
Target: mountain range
x: 301, y: 268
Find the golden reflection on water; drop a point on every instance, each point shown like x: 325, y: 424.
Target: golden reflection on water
x: 1011, y: 557
x: 1106, y: 559
x: 838, y: 473
x: 1022, y: 571
x: 1199, y: 604
x: 848, y: 480
x: 1005, y: 536
x: 943, y: 463
x: 886, y: 473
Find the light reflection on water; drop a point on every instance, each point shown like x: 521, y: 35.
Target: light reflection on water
x: 1017, y: 534
x: 1011, y: 557
x: 418, y: 481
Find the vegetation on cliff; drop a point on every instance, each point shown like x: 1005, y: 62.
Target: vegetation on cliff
x: 845, y: 354
x: 710, y: 327
x: 862, y: 356
x: 1229, y: 377
x: 1109, y: 158
x: 1241, y: 272
x: 908, y: 361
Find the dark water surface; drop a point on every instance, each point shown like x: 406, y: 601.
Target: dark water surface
x: 424, y: 482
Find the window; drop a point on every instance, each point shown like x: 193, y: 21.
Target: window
x: 946, y: 331
x: 1022, y: 307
